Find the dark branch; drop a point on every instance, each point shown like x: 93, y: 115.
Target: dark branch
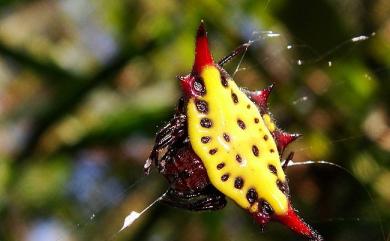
x: 40, y: 67
x: 73, y: 96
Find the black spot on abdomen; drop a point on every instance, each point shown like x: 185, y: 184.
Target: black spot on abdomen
x: 213, y: 151
x: 272, y: 168
x: 255, y: 150
x: 224, y: 81
x: 283, y: 187
x: 225, y: 177
x: 251, y: 195
x: 205, y: 139
x: 199, y: 86
x: 220, y: 166
x: 238, y: 158
x: 241, y: 124
x: 238, y: 183
x: 234, y: 98
x: 265, y: 207
x: 206, y: 122
x: 202, y: 106
x: 226, y: 137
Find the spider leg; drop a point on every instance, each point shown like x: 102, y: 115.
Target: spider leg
x: 287, y: 161
x: 173, y: 132
x: 240, y: 49
x: 209, y: 199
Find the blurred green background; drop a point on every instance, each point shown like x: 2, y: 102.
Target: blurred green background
x: 85, y: 84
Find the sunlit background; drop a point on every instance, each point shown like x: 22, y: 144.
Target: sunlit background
x: 85, y: 84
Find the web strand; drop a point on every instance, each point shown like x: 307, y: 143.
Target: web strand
x: 133, y: 216
x: 291, y: 163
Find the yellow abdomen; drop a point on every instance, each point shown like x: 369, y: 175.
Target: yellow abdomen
x: 230, y: 136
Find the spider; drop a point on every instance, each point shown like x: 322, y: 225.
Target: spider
x: 222, y: 142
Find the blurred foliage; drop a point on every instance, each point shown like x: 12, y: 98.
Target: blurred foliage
x: 85, y: 84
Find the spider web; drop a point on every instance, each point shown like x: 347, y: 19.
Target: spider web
x: 135, y: 216
x: 93, y: 215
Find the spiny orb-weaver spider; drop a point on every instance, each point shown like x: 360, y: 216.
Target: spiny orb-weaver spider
x: 223, y: 142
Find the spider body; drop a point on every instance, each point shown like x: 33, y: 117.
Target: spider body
x: 222, y: 142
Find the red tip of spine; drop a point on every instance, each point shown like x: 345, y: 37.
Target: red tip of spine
x: 295, y: 223
x: 261, y: 97
x: 203, y: 56
x: 283, y: 139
